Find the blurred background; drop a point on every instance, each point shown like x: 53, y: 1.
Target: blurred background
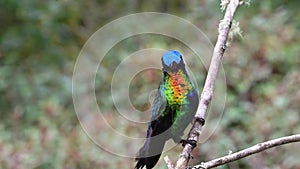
x: 39, y: 44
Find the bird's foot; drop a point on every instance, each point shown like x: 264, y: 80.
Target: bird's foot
x: 200, y: 120
x: 191, y: 142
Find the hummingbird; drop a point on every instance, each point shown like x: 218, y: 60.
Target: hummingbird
x: 173, y: 108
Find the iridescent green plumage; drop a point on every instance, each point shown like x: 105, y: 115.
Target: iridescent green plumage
x: 176, y: 88
x: 173, y: 108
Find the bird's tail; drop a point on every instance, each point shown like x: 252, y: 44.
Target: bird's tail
x: 149, y: 154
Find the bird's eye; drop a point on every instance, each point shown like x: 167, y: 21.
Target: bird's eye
x: 180, y: 57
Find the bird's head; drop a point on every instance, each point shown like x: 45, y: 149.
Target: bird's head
x: 172, y: 61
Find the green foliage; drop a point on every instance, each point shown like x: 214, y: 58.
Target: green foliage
x: 40, y: 41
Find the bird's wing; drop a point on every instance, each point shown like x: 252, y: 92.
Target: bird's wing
x: 158, y: 105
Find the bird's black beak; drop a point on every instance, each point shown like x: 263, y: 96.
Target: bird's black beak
x: 173, y: 65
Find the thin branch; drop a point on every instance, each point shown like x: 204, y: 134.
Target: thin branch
x: 168, y: 162
x: 207, y: 92
x: 249, y: 151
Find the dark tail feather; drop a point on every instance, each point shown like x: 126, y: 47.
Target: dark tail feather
x: 149, y: 154
x: 149, y: 162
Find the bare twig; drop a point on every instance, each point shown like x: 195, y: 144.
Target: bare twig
x: 168, y: 162
x: 207, y: 92
x: 249, y: 151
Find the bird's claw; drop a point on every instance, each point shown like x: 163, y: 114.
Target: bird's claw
x: 200, y: 120
x: 193, y: 143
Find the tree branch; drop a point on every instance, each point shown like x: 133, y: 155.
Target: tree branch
x: 208, y: 89
x: 168, y: 162
x: 249, y: 151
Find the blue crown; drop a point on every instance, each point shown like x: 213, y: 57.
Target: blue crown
x: 171, y: 56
